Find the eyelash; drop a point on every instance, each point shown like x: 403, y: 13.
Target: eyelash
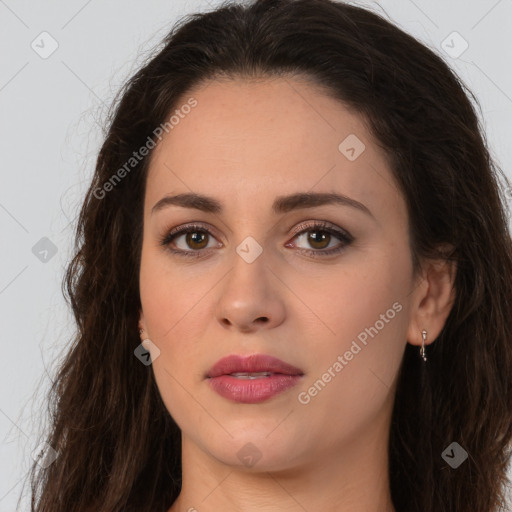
x: 324, y: 227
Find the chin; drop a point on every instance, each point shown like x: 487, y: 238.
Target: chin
x: 255, y: 450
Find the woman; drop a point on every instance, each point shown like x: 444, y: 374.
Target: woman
x: 292, y: 283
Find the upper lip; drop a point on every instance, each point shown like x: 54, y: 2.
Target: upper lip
x: 251, y: 364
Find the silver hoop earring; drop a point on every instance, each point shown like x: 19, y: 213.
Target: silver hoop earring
x: 422, y: 349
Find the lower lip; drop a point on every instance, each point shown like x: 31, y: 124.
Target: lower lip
x: 252, y: 391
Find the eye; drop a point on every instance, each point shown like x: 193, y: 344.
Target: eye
x: 194, y: 240
x: 189, y: 240
x: 321, y: 236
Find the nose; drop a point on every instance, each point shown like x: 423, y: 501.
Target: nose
x: 251, y: 297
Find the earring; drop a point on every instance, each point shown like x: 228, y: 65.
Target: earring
x: 422, y: 350
x: 144, y: 338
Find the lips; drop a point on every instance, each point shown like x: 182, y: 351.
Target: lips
x: 252, y: 379
x: 252, y: 364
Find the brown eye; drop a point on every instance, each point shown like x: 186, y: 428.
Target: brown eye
x: 319, y: 239
x: 189, y: 240
x: 196, y: 239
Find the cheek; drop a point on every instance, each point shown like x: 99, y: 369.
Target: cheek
x: 362, y: 315
x: 353, y: 372
x: 353, y: 298
x: 172, y: 307
x: 174, y: 318
x: 172, y: 299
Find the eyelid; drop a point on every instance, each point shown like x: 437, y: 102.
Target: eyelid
x: 321, y: 224
x: 190, y: 225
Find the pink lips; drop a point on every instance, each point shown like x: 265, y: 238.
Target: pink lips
x: 257, y: 389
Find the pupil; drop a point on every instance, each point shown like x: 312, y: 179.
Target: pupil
x: 196, y: 238
x: 318, y: 237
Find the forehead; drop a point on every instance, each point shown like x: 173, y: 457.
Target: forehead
x: 253, y: 136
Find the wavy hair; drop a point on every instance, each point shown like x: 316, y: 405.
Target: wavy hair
x: 119, y: 448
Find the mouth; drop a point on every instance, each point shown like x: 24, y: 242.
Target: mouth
x: 254, y: 366
x: 252, y: 379
x: 256, y: 375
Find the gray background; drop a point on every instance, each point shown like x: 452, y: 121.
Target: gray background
x: 50, y: 129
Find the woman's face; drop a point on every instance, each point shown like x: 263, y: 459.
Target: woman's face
x: 271, y: 266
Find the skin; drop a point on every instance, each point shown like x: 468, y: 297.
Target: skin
x: 244, y: 144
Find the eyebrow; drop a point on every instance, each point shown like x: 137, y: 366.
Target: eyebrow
x: 282, y: 204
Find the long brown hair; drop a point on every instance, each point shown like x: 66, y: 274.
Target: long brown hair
x: 118, y: 447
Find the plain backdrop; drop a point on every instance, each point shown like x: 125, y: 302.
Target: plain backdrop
x: 61, y: 64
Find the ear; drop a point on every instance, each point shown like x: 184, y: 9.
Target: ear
x: 433, y: 299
